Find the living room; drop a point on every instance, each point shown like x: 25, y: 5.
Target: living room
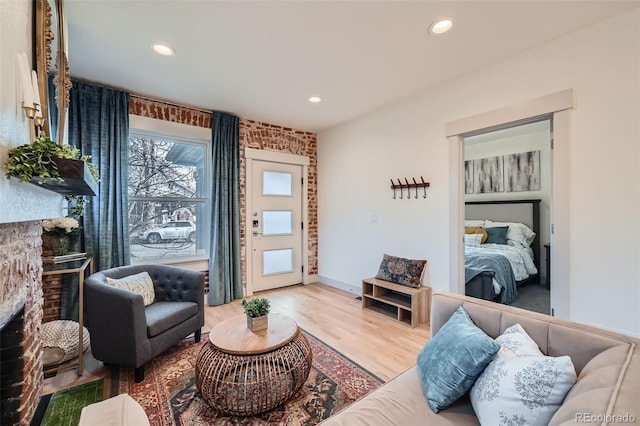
x: 357, y: 217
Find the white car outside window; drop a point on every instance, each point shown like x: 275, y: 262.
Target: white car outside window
x: 180, y: 229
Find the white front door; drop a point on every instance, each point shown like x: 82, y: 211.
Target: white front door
x: 276, y: 225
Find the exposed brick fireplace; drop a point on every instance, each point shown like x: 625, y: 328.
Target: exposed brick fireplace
x: 11, y: 368
x: 21, y: 315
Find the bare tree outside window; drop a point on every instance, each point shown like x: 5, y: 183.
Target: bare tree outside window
x: 167, y: 197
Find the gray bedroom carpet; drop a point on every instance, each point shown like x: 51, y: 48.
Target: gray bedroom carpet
x: 533, y: 297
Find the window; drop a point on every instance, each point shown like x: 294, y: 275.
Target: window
x: 168, y: 191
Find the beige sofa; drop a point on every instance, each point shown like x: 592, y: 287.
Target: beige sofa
x: 607, y: 364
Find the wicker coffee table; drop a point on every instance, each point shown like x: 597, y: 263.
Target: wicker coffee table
x: 242, y: 373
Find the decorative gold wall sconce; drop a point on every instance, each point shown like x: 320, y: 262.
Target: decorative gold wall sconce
x: 29, y: 95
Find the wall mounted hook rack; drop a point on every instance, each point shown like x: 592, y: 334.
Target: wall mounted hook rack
x: 408, y: 186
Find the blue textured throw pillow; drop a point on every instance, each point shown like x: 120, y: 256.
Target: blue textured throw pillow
x: 453, y: 359
x: 497, y: 235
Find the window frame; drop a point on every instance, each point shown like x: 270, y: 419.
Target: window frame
x: 145, y: 127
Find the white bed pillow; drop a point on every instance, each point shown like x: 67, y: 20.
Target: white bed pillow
x: 472, y: 240
x: 518, y: 235
x: 475, y: 223
x: 138, y: 283
x: 520, y: 384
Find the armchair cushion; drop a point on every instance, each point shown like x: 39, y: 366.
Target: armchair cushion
x: 138, y: 283
x: 161, y: 316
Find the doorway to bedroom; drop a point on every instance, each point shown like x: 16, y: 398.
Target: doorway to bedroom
x: 507, y: 194
x: 558, y: 107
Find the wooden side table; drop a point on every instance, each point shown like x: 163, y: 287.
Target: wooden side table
x: 242, y: 373
x: 79, y: 267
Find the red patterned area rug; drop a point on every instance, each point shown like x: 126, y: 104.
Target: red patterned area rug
x: 169, y: 395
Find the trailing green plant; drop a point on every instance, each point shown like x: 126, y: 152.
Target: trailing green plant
x: 37, y: 160
x: 75, y: 205
x: 256, y: 307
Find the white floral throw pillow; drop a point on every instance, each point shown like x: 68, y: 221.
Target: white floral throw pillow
x: 521, y: 386
x: 515, y: 341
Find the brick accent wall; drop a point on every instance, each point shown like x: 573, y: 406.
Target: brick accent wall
x: 168, y: 112
x: 21, y: 283
x: 253, y: 134
x: 51, y: 285
x: 52, y: 292
x: 258, y: 135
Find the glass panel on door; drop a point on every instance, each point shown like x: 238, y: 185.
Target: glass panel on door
x: 277, y: 222
x: 276, y: 183
x: 277, y: 261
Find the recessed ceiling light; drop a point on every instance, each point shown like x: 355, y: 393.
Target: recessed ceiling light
x: 441, y: 26
x: 315, y: 99
x: 163, y: 49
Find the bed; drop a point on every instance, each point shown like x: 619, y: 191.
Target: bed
x: 508, y: 257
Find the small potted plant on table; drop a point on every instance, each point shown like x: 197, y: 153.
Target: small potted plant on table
x: 257, y: 311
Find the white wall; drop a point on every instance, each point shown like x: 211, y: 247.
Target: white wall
x: 18, y: 201
x: 357, y: 159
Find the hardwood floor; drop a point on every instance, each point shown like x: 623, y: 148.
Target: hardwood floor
x: 374, y: 340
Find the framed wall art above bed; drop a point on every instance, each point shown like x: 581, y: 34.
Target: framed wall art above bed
x: 515, y: 172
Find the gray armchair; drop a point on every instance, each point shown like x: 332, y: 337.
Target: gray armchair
x: 125, y: 332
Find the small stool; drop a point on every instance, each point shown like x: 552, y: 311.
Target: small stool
x: 60, y: 341
x: 116, y: 411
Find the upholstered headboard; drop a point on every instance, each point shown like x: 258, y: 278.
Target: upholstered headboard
x: 523, y: 211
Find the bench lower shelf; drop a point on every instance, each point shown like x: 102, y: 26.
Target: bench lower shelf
x: 409, y: 305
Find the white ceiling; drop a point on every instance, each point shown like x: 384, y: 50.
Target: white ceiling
x: 262, y: 60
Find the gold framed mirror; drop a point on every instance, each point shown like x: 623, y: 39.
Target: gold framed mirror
x: 52, y: 66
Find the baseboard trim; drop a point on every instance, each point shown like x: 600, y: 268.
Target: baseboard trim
x: 351, y: 288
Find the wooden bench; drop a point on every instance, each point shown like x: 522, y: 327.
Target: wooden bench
x: 407, y: 304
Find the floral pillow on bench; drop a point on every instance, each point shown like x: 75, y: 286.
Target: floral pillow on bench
x: 401, y: 271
